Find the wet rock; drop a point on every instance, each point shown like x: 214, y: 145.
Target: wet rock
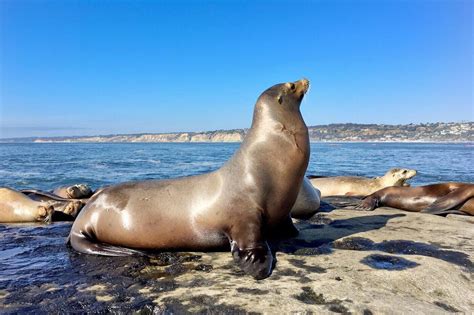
x: 388, y: 262
x: 343, y: 261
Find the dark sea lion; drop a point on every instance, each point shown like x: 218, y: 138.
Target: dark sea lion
x: 17, y: 207
x: 78, y: 191
x: 242, y: 203
x: 360, y: 186
x: 440, y: 198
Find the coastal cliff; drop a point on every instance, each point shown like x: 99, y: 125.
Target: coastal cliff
x: 429, y: 132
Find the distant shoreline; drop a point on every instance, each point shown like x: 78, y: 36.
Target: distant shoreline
x: 334, y: 133
x: 470, y: 143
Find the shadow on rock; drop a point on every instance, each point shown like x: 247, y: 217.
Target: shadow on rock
x: 316, y: 239
x: 407, y: 248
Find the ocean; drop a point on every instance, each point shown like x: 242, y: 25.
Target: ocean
x: 39, y: 274
x: 48, y: 165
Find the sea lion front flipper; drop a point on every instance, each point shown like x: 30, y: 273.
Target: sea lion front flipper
x: 449, y: 201
x: 256, y: 261
x: 248, y: 248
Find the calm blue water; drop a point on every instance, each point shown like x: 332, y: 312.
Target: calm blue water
x: 45, y: 166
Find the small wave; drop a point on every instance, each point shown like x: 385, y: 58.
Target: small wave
x: 99, y: 165
x: 154, y: 161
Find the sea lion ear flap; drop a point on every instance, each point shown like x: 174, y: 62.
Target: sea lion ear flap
x: 280, y: 99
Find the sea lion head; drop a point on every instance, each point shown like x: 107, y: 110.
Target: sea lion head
x: 74, y: 207
x: 399, y: 176
x: 281, y: 99
x: 78, y: 191
x: 45, y: 213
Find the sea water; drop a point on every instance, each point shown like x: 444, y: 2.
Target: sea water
x: 46, y: 166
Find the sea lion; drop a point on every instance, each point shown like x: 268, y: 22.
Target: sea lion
x: 68, y: 206
x: 308, y: 201
x: 360, y: 186
x: 78, y: 191
x: 244, y: 202
x: 17, y: 207
x: 443, y: 198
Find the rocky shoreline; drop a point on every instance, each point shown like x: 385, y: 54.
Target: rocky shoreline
x: 343, y: 261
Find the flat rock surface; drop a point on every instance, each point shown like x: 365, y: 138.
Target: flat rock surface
x: 343, y: 261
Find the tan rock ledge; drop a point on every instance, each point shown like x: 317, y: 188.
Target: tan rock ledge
x: 385, y: 261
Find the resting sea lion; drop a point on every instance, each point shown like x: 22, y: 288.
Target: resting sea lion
x: 308, y: 201
x: 79, y: 191
x: 68, y: 206
x: 441, y: 198
x: 360, y: 186
x: 241, y: 203
x: 17, y: 207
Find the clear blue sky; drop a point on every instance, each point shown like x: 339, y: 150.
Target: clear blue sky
x: 101, y: 67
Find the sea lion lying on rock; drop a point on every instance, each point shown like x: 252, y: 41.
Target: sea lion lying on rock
x: 78, y: 191
x: 360, y: 186
x: 244, y: 202
x: 443, y: 198
x: 308, y: 201
x: 67, y: 206
x: 17, y: 207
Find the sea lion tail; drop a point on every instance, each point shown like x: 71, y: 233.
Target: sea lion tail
x: 86, y: 245
x: 447, y: 203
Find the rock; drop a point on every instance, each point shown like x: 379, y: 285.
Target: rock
x: 343, y: 261
x: 463, y: 218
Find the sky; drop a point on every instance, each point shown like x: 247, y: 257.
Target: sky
x: 107, y: 67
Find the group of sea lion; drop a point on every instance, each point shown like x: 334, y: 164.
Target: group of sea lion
x: 249, y: 200
x: 32, y: 205
x: 392, y: 190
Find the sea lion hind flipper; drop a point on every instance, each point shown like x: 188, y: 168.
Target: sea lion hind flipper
x: 449, y: 201
x: 369, y: 203
x: 84, y: 244
x: 31, y: 193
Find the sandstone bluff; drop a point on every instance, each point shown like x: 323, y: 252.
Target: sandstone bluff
x: 430, y: 132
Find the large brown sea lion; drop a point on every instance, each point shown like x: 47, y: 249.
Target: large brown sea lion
x: 360, y: 186
x: 242, y: 203
x: 17, y: 207
x: 440, y: 198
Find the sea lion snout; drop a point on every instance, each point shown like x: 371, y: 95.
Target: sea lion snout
x: 45, y: 213
x: 304, y: 84
x: 299, y: 87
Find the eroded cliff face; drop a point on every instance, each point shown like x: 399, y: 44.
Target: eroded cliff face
x: 216, y: 136
x: 432, y: 132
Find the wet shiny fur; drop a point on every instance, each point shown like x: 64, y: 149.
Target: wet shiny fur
x: 243, y: 202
